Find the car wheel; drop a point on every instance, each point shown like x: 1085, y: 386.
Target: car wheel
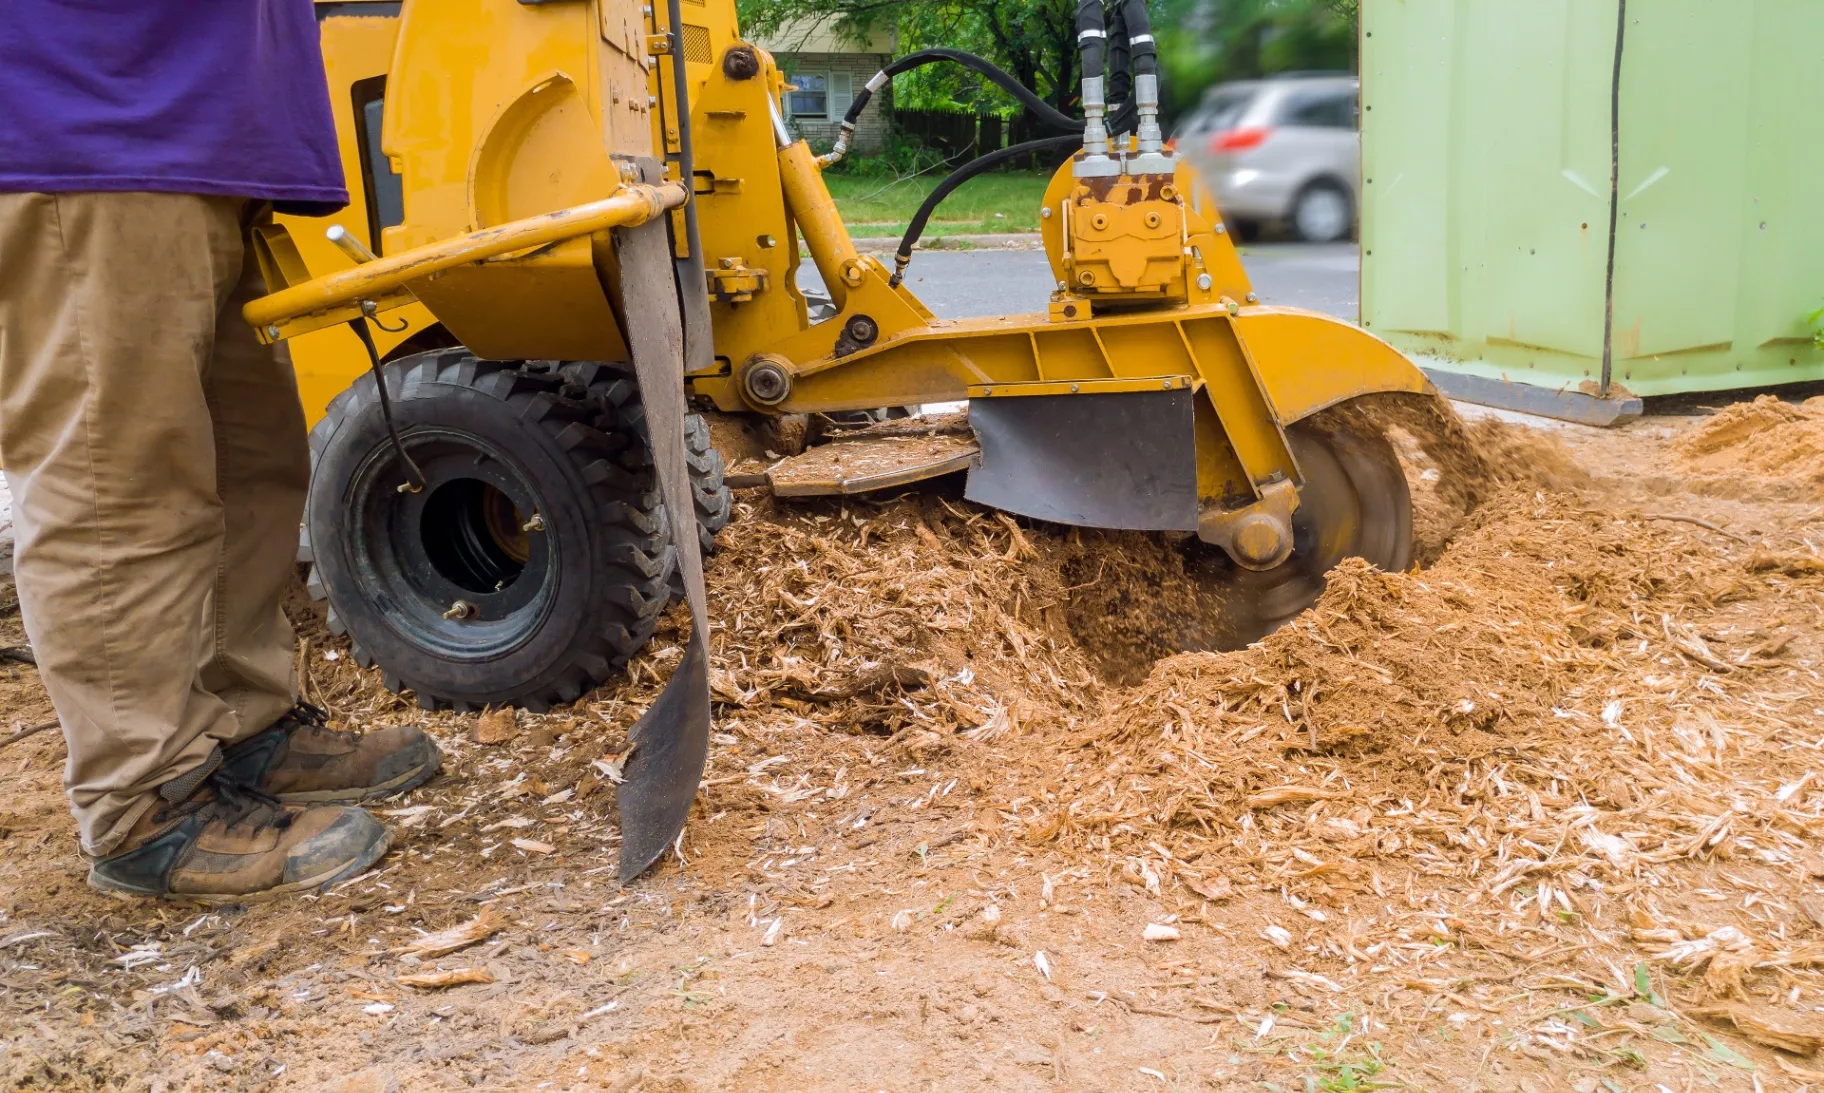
x: 1323, y: 213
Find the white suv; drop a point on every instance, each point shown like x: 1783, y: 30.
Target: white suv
x: 1283, y: 149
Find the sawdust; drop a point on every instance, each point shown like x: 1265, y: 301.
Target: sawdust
x: 1515, y: 646
x: 1522, y: 815
x: 1763, y: 437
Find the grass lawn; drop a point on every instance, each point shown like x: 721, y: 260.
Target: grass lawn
x: 1000, y: 201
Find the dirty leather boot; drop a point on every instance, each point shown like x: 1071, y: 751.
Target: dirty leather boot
x: 301, y: 759
x: 226, y: 843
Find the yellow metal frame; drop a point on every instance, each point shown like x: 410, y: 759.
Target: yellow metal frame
x: 385, y: 283
x: 517, y: 130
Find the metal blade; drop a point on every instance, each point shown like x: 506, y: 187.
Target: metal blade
x: 1126, y: 460
x: 1354, y: 504
x: 671, y: 739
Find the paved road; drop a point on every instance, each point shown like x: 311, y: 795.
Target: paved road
x: 965, y: 284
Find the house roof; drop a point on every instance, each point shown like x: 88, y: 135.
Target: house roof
x: 818, y: 34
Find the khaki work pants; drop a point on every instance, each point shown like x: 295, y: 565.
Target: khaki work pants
x: 157, y: 458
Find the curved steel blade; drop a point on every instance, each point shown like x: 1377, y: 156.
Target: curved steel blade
x: 671, y: 739
x: 1124, y: 460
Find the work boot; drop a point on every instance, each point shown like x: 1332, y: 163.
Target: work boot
x: 227, y: 843
x: 301, y: 759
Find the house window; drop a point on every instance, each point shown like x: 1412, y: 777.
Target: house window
x: 820, y: 96
x: 812, y: 99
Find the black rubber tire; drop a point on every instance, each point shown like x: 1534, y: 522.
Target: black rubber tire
x: 714, y: 501
x: 566, y: 440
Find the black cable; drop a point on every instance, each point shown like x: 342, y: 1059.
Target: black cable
x: 416, y: 482
x: 956, y: 178
x: 999, y: 76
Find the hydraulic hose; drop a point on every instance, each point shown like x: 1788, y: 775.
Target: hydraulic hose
x: 1092, y: 40
x: 1120, y: 61
x: 997, y: 75
x: 956, y: 178
x: 1139, y: 38
x: 1094, y: 43
x: 1146, y: 78
x: 967, y: 171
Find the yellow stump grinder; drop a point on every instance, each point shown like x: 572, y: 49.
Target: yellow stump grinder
x: 576, y: 232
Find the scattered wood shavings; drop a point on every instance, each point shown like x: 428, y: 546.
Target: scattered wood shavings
x: 1801, y: 1034
x: 497, y: 726
x: 441, y: 979
x: 479, y: 928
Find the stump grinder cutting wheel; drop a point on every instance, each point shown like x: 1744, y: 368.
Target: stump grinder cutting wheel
x: 576, y: 227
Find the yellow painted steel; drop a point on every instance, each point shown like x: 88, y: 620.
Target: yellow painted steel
x: 516, y: 131
x: 1082, y: 387
x: 1196, y: 221
x: 827, y: 237
x: 332, y: 297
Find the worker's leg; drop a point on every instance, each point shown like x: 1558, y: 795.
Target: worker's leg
x: 262, y: 472
x: 109, y: 306
x: 262, y: 468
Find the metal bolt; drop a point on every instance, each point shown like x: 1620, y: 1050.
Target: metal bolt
x: 1074, y: 388
x: 1204, y: 282
x: 461, y: 609
x: 1253, y: 299
x: 1167, y: 385
x: 272, y: 332
x: 987, y: 390
x: 1045, y: 213
x: 537, y: 523
x: 1222, y: 229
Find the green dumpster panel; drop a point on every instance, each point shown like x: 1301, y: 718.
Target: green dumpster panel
x: 1487, y: 189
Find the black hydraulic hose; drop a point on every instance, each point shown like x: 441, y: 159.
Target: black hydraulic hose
x: 959, y: 176
x: 1000, y: 77
x: 1139, y: 37
x: 976, y: 166
x: 1120, y: 60
x: 1092, y: 39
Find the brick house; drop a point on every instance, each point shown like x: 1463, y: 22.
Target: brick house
x: 828, y: 67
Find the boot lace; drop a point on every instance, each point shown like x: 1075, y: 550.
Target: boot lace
x: 239, y: 803
x: 303, y: 715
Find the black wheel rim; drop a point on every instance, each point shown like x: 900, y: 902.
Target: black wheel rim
x: 453, y: 567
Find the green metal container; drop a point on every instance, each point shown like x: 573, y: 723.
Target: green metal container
x: 1568, y: 204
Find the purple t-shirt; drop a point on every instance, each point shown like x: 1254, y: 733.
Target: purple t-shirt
x: 221, y: 97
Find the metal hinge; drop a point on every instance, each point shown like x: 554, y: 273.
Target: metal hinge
x: 734, y: 281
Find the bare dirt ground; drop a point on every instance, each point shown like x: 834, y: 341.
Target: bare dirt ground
x: 1541, y: 815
